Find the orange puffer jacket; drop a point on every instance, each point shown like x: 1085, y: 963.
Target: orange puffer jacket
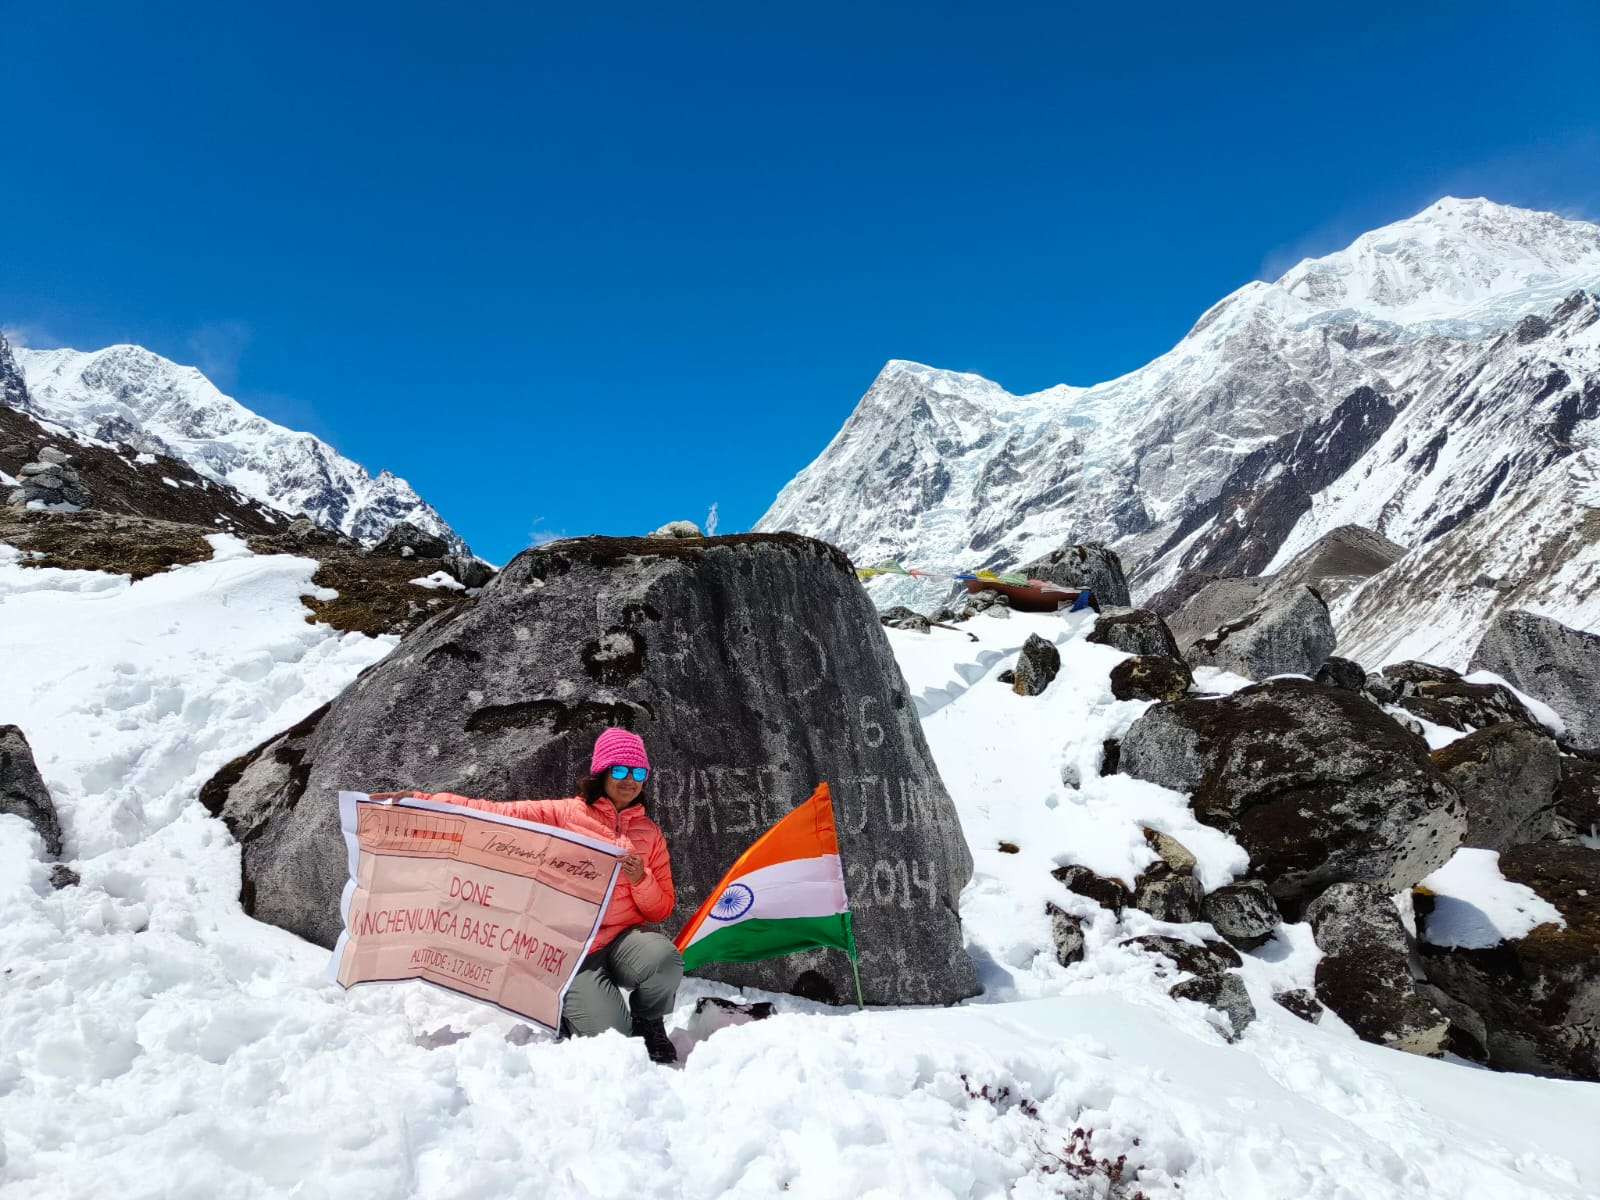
x: 643, y: 903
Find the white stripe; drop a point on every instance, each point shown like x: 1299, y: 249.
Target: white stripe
x: 800, y: 887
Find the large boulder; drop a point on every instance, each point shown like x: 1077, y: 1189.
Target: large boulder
x: 1092, y: 566
x: 22, y: 789
x: 1539, y: 995
x: 1507, y: 776
x: 753, y: 666
x: 1244, y: 912
x: 1292, y: 635
x: 1134, y: 631
x: 1364, y: 974
x: 1551, y: 662
x: 1441, y: 695
x: 1317, y: 784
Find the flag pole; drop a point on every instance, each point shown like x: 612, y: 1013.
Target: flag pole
x: 856, y: 971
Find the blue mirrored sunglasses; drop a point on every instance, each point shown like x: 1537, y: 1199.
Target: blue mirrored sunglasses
x: 640, y: 774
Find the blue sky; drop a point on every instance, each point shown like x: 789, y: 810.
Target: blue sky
x: 575, y: 274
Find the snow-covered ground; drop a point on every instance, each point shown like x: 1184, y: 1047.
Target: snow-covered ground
x: 154, y: 1041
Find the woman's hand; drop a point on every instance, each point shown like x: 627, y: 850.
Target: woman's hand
x: 633, y: 867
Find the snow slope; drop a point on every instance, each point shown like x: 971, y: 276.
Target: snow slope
x: 156, y: 1042
x: 1226, y: 452
x: 128, y: 394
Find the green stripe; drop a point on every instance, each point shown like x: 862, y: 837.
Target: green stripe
x: 753, y: 940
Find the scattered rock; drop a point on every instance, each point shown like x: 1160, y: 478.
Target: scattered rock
x: 1442, y: 696
x: 22, y: 789
x: 1008, y: 677
x: 1107, y: 893
x: 1037, y: 664
x: 901, y: 617
x: 1318, y: 785
x: 1577, y: 813
x: 1110, y: 756
x: 1291, y: 636
x: 728, y: 655
x: 1066, y: 933
x: 678, y: 529
x: 1507, y: 776
x: 1092, y: 566
x: 1539, y: 995
x: 1009, y: 848
x: 1174, y: 898
x: 1344, y: 673
x: 439, y: 1038
x: 51, y: 479
x: 403, y: 536
x: 1365, y: 974
x: 1552, y: 662
x: 1151, y: 677
x: 1302, y: 1002
x: 1135, y: 631
x: 1244, y: 912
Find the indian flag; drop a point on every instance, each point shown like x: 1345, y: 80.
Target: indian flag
x: 785, y: 893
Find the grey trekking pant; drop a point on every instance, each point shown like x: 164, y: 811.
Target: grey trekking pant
x: 639, y: 959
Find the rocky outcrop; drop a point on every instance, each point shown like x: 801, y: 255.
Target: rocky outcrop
x: 1092, y: 566
x: 1134, y: 631
x: 1539, y: 995
x: 1317, y: 784
x: 1342, y: 673
x: 1037, y: 664
x: 1551, y: 662
x: 52, y: 479
x: 1151, y: 677
x: 1507, y: 777
x: 1340, y: 560
x: 1244, y: 912
x: 22, y: 789
x: 1365, y: 975
x: 1441, y: 695
x: 1293, y: 635
x: 754, y: 668
x: 1212, y: 979
x: 405, y: 540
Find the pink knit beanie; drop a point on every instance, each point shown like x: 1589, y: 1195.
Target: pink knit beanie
x: 618, y: 748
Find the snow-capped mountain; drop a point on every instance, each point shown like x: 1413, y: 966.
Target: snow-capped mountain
x: 1228, y: 451
x: 128, y: 394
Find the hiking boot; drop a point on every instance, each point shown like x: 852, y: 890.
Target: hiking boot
x: 656, y: 1042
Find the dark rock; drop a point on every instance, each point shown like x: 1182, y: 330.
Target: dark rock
x: 1066, y: 934
x: 1136, y: 631
x: 1092, y: 566
x: 63, y: 876
x: 1174, y: 898
x: 1379, y: 690
x: 753, y: 667
x: 1244, y: 912
x: 1343, y: 673
x: 1577, y: 813
x: 22, y: 789
x: 1110, y: 756
x: 1365, y: 975
x: 1009, y: 848
x: 1108, y: 893
x: 1442, y: 696
x: 1469, y: 1035
x: 1302, y: 1002
x: 1008, y: 676
x: 1539, y: 995
x: 404, y: 536
x: 1551, y: 662
x: 1292, y: 635
x: 1151, y: 677
x: 304, y: 529
x: 1213, y: 983
x: 1318, y: 785
x: 1507, y: 776
x: 1037, y: 664
x: 901, y: 617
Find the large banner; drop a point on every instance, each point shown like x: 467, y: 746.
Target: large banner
x: 494, y: 908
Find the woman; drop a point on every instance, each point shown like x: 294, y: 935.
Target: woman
x: 625, y: 954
